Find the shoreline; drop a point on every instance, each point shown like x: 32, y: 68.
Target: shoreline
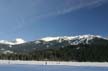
x: 92, y: 64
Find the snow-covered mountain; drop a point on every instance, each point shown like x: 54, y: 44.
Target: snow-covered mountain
x: 19, y: 45
x: 14, y: 42
x: 88, y: 37
x: 74, y: 40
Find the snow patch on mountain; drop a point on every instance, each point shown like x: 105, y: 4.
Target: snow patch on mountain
x: 37, y: 42
x: 47, y: 39
x: 15, y: 42
x: 8, y: 52
x: 20, y: 41
x: 88, y: 37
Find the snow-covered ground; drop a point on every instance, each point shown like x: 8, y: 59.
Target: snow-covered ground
x: 96, y: 64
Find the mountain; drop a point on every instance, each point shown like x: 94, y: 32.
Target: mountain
x: 19, y: 45
x: 15, y: 42
x: 75, y: 40
x: 64, y: 48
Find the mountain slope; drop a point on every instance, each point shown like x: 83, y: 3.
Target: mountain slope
x: 20, y: 45
x: 15, y: 42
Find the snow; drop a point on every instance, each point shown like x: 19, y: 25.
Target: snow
x: 47, y: 39
x: 7, y: 51
x: 88, y: 37
x: 73, y: 40
x: 20, y: 41
x: 17, y: 41
x: 95, y: 64
x: 37, y: 42
x: 6, y: 42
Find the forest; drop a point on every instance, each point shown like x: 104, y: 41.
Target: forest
x: 79, y: 53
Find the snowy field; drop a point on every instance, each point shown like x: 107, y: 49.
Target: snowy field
x: 17, y: 65
x: 50, y: 68
x: 93, y: 64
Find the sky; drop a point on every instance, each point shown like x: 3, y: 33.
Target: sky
x: 35, y: 19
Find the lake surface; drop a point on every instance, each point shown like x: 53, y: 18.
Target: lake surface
x: 49, y: 68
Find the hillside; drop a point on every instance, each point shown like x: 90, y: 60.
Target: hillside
x: 73, y: 48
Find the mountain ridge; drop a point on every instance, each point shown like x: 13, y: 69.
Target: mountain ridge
x: 67, y: 48
x: 19, y: 45
x: 48, y: 39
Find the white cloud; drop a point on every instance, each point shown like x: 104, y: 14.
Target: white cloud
x: 83, y: 4
x: 54, y: 7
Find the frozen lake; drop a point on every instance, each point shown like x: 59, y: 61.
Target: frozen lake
x: 49, y: 68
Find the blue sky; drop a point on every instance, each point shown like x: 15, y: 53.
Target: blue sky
x: 34, y: 19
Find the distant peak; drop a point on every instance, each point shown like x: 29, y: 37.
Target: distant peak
x: 14, y: 42
x: 20, y: 40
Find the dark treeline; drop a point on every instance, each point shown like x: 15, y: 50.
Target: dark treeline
x: 93, y: 53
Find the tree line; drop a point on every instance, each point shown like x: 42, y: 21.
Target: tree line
x: 80, y: 53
